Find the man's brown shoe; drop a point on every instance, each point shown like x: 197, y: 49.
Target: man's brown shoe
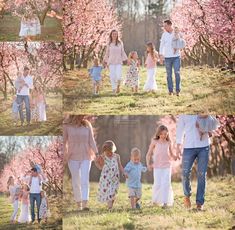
x: 187, y: 202
x: 199, y: 207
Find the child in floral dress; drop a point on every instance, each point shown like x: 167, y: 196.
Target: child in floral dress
x: 44, y: 208
x: 110, y: 164
x: 132, y: 77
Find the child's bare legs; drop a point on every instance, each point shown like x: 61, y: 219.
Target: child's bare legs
x: 79, y: 205
x: 133, y: 202
x: 136, y: 89
x: 97, y: 88
x: 94, y: 87
x: 110, y: 204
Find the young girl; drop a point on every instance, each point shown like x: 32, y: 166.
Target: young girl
x: 33, y: 104
x: 110, y: 164
x: 114, y: 57
x: 14, y: 191
x: 24, y: 212
x: 41, y: 105
x: 44, y: 208
x: 160, y: 152
x: 95, y: 73
x: 132, y: 77
x: 151, y: 63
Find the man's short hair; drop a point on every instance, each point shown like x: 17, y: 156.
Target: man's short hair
x: 168, y: 22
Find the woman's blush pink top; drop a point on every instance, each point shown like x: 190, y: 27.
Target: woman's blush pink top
x: 80, y: 141
x: 115, y: 54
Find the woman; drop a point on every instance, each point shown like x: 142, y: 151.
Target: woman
x: 114, y: 57
x: 14, y: 191
x: 80, y: 151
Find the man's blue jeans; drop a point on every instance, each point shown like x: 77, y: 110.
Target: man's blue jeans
x: 20, y: 100
x: 173, y: 62
x: 35, y: 197
x: 189, y: 156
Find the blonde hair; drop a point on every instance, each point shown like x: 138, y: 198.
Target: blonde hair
x: 109, y: 146
x: 131, y: 54
x: 9, y: 181
x: 135, y: 152
x: 158, y: 132
x: 43, y: 192
x: 25, y: 185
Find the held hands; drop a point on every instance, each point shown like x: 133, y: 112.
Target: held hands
x: 150, y: 167
x: 161, y: 59
x: 99, y: 160
x: 178, y: 151
x: 125, y: 175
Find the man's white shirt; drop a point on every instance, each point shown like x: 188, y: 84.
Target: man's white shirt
x: 188, y: 134
x: 166, y: 48
x: 25, y: 90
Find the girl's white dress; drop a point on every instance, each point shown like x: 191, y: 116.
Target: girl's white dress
x: 24, y: 213
x: 150, y: 83
x: 41, y: 111
x: 43, y: 208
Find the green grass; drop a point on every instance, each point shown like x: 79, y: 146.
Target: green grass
x: 54, y: 222
x: 219, y: 210
x: 203, y: 89
x: 10, y: 27
x: 51, y: 127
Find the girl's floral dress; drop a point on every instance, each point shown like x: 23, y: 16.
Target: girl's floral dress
x: 132, y: 77
x: 109, y: 179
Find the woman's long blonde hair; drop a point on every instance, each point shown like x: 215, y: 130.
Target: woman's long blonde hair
x: 77, y: 119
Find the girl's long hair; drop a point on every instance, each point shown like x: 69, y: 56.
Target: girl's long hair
x: 158, y: 132
x: 118, y: 41
x: 9, y: 181
x: 152, y: 50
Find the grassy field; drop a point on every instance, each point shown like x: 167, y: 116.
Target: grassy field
x: 51, y: 127
x: 54, y: 222
x: 219, y: 210
x: 10, y: 28
x: 203, y: 89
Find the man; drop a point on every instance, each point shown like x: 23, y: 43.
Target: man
x: 195, y: 147
x: 171, y: 56
x: 23, y: 95
x: 35, y: 185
